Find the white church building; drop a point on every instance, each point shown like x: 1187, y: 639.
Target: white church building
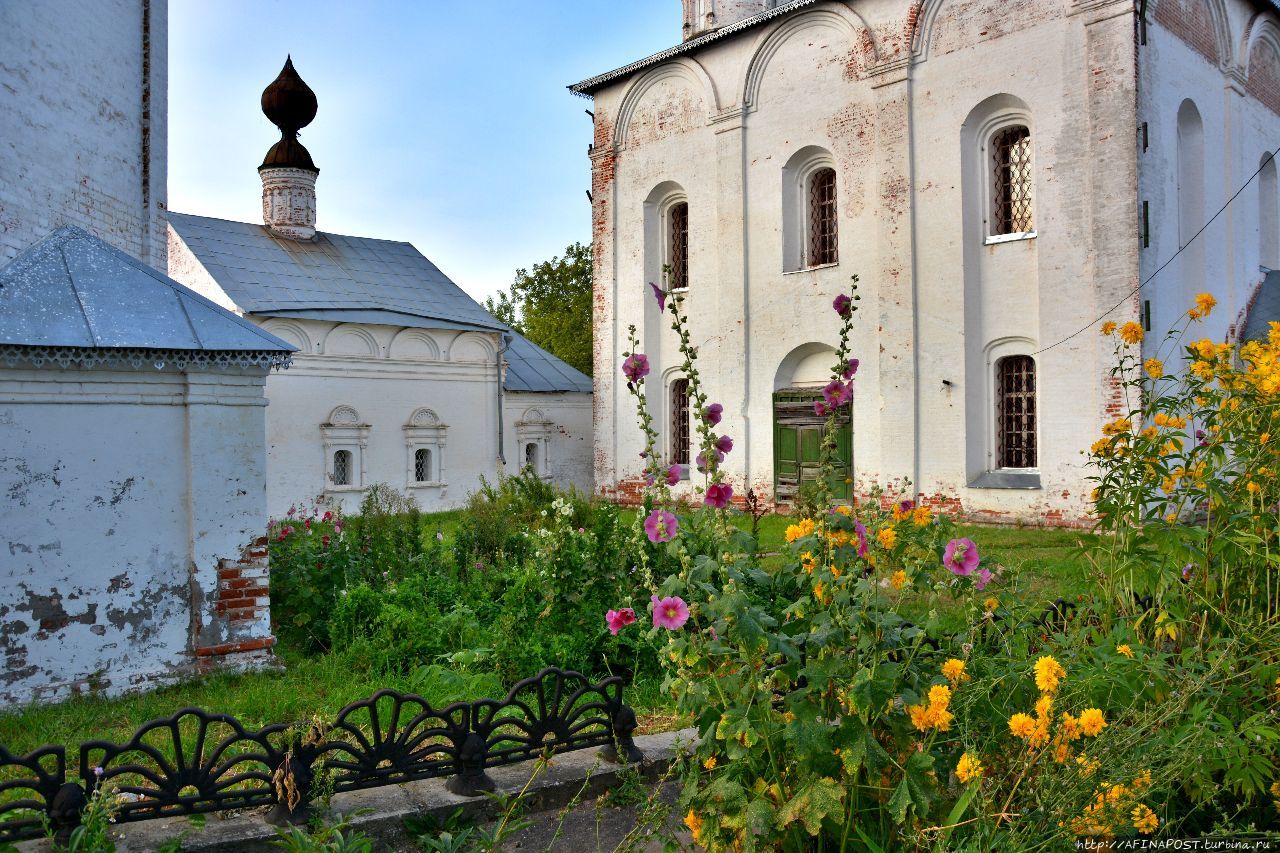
x: 400, y: 377
x: 999, y: 173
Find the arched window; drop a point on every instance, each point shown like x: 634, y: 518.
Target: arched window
x: 1016, y: 412
x: 422, y: 465
x: 1192, y: 212
x: 822, y: 218
x: 342, y: 468
x: 531, y: 456
x: 1268, y: 215
x: 680, y: 422
x: 678, y: 245
x: 1011, y: 211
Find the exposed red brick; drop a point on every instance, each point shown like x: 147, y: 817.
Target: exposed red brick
x: 1264, y: 75
x: 1192, y: 22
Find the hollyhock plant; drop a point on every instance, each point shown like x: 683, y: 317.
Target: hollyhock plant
x: 713, y: 413
x: 718, y: 495
x: 673, y: 475
x: 619, y: 619
x: 984, y: 578
x: 670, y: 612
x: 820, y: 409
x: 837, y: 393
x: 660, y: 295
x: 850, y: 368
x: 701, y: 460
x: 843, y: 305
x: 635, y: 367
x: 660, y: 526
x: 961, y: 557
x: 861, y: 530
x: 724, y: 444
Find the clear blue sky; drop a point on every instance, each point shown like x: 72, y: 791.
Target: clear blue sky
x: 446, y: 124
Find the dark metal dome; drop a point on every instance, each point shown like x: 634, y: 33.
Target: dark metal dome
x: 291, y: 106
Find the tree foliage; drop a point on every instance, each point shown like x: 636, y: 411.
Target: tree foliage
x: 550, y: 304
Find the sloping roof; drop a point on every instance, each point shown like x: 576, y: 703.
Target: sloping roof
x: 356, y: 280
x: 1264, y: 311
x: 594, y: 84
x: 74, y: 290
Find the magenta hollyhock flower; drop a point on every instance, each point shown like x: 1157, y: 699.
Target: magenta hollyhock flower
x: 713, y: 413
x: 670, y: 612
x: 843, y: 305
x: 328, y: 516
x: 701, y: 460
x: 850, y: 369
x: 660, y: 526
x: 635, y: 367
x: 961, y: 556
x: 723, y: 445
x: 906, y: 506
x: 718, y: 495
x: 984, y: 578
x: 861, y: 529
x: 648, y: 478
x: 619, y: 619
x: 660, y: 295
x: 837, y: 393
x: 820, y: 409
x: 673, y: 475
x: 324, y: 540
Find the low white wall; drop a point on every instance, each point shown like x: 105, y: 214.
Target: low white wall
x: 560, y: 424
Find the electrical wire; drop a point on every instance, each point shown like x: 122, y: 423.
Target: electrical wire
x: 1270, y: 158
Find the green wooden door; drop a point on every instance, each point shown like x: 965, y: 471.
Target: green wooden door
x: 797, y: 446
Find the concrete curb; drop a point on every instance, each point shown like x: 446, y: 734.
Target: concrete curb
x: 583, y: 775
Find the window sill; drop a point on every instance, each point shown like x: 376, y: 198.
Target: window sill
x: 811, y: 269
x: 1009, y: 238
x: 427, y: 484
x: 332, y: 488
x: 1008, y: 478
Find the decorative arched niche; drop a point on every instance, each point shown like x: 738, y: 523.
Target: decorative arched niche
x: 344, y: 437
x: 424, y: 441
x: 803, y: 214
x: 533, y: 436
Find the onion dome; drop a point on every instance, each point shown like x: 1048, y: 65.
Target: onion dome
x: 291, y: 106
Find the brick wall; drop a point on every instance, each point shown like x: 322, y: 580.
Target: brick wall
x: 1264, y: 75
x: 1191, y: 21
x: 243, y: 602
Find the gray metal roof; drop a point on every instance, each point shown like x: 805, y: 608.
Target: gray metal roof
x: 1264, y: 311
x: 356, y: 280
x: 74, y: 290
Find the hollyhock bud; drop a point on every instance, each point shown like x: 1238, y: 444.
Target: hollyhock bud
x: 713, y: 413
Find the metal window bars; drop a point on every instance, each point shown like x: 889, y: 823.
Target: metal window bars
x: 342, y: 468
x: 678, y: 221
x: 822, y: 218
x: 680, y: 434
x: 1016, y: 412
x: 1011, y: 198
x: 422, y: 465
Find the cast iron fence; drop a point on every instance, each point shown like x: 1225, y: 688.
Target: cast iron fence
x: 196, y: 762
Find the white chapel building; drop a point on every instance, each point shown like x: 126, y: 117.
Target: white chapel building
x: 400, y: 377
x: 999, y: 173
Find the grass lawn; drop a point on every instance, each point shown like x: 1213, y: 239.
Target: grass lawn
x: 1041, y: 565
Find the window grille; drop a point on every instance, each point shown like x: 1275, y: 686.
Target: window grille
x: 822, y: 218
x: 678, y: 220
x: 1011, y: 201
x: 531, y: 456
x: 342, y: 468
x: 1016, y: 412
x: 422, y: 466
x: 680, y: 422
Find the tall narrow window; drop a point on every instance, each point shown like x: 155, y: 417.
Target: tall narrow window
x: 822, y: 218
x: 1011, y: 192
x: 531, y: 456
x: 1268, y: 215
x: 342, y: 468
x: 422, y: 466
x: 678, y: 258
x: 680, y: 422
x: 1016, y: 412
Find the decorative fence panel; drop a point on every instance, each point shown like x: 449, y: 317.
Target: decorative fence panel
x: 196, y: 762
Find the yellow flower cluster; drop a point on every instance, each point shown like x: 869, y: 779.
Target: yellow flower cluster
x: 1036, y: 731
x: 954, y: 671
x: 1204, y: 304
x: 1048, y: 673
x: 934, y: 713
x: 888, y: 538
x: 1117, y: 808
x: 1117, y: 427
x: 799, y: 531
x: 1131, y: 333
x: 968, y: 768
x: 899, y: 579
x: 1155, y: 367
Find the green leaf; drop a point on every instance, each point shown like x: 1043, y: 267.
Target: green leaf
x: 816, y: 801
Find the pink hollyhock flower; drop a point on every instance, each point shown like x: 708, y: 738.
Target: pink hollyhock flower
x: 673, y: 475
x: 292, y: 510
x: 961, y: 556
x: 820, y: 409
x: 713, y: 413
x: 337, y: 527
x: 850, y: 369
x: 984, y: 578
x: 843, y: 305
x: 718, y: 495
x: 328, y: 516
x: 701, y: 460
x: 306, y: 524
x: 837, y: 393
x: 670, y: 612
x: 619, y: 619
x: 635, y: 367
x: 861, y: 529
x: 724, y: 444
x: 660, y: 526
x: 648, y: 478
x: 660, y: 295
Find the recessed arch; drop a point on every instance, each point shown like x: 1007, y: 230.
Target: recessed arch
x: 346, y: 339
x: 1223, y: 41
x: 807, y: 366
x: 414, y: 344
x: 534, y: 416
x: 836, y: 17
x: 1260, y: 60
x: 423, y: 417
x: 344, y: 415
x: 290, y: 332
x: 472, y: 347
x: 683, y: 68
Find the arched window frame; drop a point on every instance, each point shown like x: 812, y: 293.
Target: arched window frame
x: 424, y: 431
x: 1269, y: 213
x: 344, y: 431
x: 679, y: 423
x: 535, y: 429
x: 797, y: 214
x: 1020, y: 453
x: 675, y: 243
x: 990, y: 134
x: 992, y: 476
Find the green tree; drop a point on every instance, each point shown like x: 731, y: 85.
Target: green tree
x: 550, y: 305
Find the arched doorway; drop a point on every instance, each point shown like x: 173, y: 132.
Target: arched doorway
x: 798, y: 428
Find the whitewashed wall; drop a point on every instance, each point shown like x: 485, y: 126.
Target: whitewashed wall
x: 559, y: 424
x: 126, y: 492
x: 83, y: 91
x: 727, y: 125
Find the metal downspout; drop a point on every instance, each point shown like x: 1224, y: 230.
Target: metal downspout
x: 502, y: 458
